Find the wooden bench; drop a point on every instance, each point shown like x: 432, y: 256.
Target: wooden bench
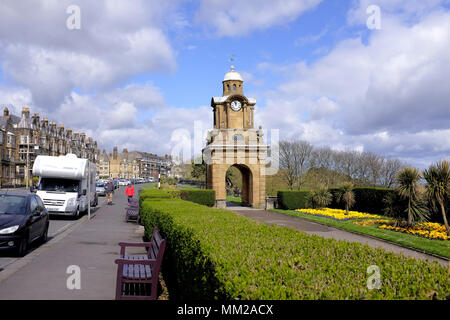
x: 137, y: 275
x: 132, y: 211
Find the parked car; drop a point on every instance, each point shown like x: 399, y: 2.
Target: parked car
x: 116, y: 183
x: 100, y: 188
x: 23, y: 220
x: 123, y: 182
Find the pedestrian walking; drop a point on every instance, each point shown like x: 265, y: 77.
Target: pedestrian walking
x: 129, y: 191
x: 109, y: 189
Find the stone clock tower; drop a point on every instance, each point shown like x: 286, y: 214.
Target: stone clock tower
x: 235, y: 142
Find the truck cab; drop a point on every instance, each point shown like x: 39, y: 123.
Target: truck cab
x: 65, y: 184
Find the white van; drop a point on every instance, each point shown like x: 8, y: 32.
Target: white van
x: 63, y: 184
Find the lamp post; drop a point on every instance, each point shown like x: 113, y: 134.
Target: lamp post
x: 28, y: 157
x: 159, y: 176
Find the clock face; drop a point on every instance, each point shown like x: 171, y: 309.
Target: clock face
x: 236, y: 105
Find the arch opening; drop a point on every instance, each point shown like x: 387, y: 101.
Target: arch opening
x: 239, y: 186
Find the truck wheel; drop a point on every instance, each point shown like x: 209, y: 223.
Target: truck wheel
x: 77, y: 214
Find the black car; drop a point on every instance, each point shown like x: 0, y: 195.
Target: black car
x: 23, y: 220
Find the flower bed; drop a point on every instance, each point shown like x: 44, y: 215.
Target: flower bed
x: 338, y: 214
x: 429, y: 230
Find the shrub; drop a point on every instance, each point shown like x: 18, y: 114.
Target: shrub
x: 347, y: 196
x: 319, y: 198
x: 291, y: 200
x: 216, y: 254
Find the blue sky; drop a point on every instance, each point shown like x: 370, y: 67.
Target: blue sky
x: 203, y: 59
x: 139, y: 72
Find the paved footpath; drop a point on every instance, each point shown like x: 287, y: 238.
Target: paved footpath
x: 90, y: 244
x: 272, y: 217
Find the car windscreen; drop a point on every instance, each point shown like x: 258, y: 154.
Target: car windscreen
x: 100, y: 184
x: 57, y: 184
x: 10, y: 204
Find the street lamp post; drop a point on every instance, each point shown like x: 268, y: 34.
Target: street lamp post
x: 28, y: 159
x: 159, y: 176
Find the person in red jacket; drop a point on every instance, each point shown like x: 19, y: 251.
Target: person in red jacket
x: 129, y: 191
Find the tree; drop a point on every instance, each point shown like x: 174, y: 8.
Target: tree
x: 295, y: 159
x: 320, y: 198
x: 199, y: 171
x: 389, y: 172
x: 408, y: 189
x: 347, y: 196
x: 438, y: 186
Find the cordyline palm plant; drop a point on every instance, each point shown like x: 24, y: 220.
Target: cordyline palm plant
x: 438, y: 186
x: 347, y: 196
x: 320, y: 198
x: 408, y: 189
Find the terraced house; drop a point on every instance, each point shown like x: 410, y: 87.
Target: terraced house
x: 24, y: 138
x: 134, y: 164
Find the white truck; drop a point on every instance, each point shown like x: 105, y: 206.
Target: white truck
x: 63, y: 184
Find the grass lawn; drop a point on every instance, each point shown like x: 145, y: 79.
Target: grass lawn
x: 438, y: 247
x: 186, y: 187
x: 233, y: 199
x: 150, y: 187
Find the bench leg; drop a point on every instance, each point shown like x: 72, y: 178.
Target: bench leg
x: 119, y: 282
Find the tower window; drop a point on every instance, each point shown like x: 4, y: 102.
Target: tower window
x: 234, y: 87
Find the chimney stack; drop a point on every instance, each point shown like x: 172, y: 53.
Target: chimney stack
x: 25, y: 112
x: 6, y: 112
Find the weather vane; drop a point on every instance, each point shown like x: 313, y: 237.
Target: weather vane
x: 232, y: 59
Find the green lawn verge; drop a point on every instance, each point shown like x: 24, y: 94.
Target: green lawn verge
x: 233, y: 199
x: 438, y: 247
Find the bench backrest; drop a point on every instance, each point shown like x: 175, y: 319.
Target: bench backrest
x: 156, y: 251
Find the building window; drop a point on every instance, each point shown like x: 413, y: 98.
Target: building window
x: 234, y: 87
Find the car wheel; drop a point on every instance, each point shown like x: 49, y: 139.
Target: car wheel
x: 23, y: 247
x: 44, y: 236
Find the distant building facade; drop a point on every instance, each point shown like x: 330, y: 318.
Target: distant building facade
x: 135, y: 164
x: 23, y: 138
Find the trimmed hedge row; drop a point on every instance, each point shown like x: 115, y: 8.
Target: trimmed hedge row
x: 291, y: 200
x: 200, y: 196
x: 216, y: 254
x: 368, y: 200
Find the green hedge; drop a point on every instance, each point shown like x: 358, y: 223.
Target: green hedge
x: 200, y: 196
x: 216, y: 254
x: 368, y: 200
x: 291, y: 200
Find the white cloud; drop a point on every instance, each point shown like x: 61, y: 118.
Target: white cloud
x: 401, y: 9
x: 145, y: 97
x: 390, y: 96
x: 116, y: 41
x: 237, y: 17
